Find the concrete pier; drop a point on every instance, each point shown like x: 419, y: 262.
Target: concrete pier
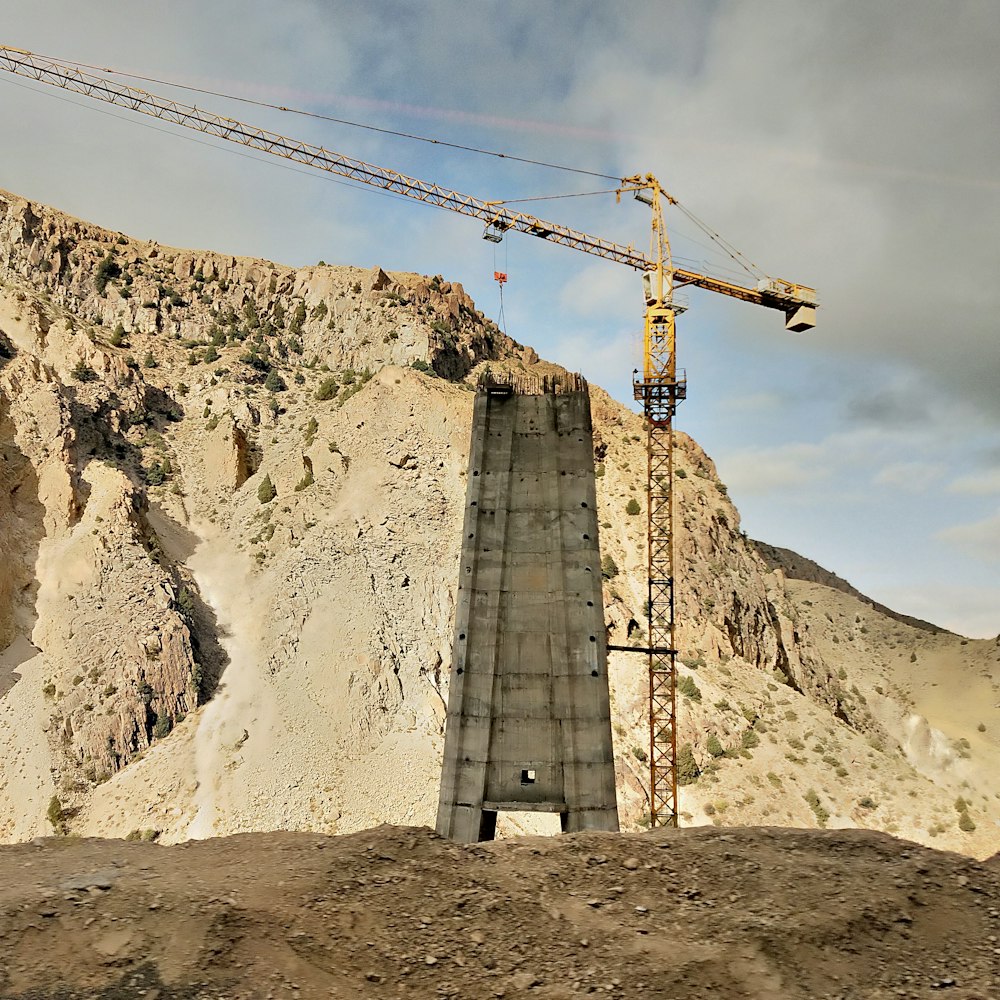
x: 529, y: 720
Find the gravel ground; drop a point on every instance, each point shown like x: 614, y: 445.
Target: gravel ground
x: 396, y: 911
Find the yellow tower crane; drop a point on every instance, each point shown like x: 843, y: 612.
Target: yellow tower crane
x: 659, y: 387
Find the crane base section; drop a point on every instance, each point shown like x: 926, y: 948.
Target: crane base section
x: 529, y: 718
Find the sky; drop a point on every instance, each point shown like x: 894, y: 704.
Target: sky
x: 851, y: 146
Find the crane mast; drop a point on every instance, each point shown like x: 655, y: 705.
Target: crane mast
x: 659, y: 387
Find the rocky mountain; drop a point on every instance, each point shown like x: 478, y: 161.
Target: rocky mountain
x: 230, y: 508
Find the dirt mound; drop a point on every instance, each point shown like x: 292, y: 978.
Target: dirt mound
x: 397, y: 911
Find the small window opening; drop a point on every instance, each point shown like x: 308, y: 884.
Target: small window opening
x: 527, y: 777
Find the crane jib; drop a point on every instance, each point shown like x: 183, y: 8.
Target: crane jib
x: 778, y: 294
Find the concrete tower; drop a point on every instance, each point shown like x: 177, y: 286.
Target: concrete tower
x: 529, y: 718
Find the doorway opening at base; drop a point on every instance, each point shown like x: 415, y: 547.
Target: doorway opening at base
x: 527, y: 823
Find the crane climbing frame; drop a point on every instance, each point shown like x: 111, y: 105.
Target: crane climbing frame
x: 659, y: 387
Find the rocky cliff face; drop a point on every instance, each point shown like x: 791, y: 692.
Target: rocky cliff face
x: 230, y: 503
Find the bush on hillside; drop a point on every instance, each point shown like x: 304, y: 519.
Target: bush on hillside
x: 83, y: 372
x: 274, y: 382
x: 106, y: 271
x: 328, y: 388
x: 266, y: 491
x: 687, y: 767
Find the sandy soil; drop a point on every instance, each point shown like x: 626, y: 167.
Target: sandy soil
x: 397, y: 911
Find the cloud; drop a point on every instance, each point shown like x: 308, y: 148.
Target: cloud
x: 843, y: 457
x: 897, y: 402
x: 771, y: 470
x: 913, y: 477
x: 977, y: 483
x: 979, y: 539
x: 967, y: 610
x: 605, y: 360
x: 757, y: 402
x: 598, y: 291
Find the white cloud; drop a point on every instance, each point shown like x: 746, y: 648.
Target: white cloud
x: 977, y: 483
x: 772, y: 470
x: 970, y: 611
x: 603, y: 360
x: 979, y: 539
x: 842, y: 457
x: 598, y: 292
x: 757, y: 402
x: 911, y: 477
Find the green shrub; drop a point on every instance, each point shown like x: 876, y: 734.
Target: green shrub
x: 714, y: 747
x: 106, y: 271
x: 680, y: 474
x: 609, y: 568
x: 162, y: 726
x: 817, y: 807
x: 156, y: 474
x: 117, y: 336
x: 965, y: 823
x: 185, y: 601
x: 328, y: 388
x: 867, y: 802
x: 266, y: 491
x: 274, y: 382
x: 56, y: 815
x: 143, y: 835
x: 750, y: 739
x: 305, y: 482
x: 687, y: 687
x: 171, y: 295
x: 82, y: 372
x: 211, y: 354
x: 687, y: 767
x: 599, y: 470
x: 632, y: 507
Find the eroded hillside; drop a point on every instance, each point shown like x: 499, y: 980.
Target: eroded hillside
x: 230, y: 505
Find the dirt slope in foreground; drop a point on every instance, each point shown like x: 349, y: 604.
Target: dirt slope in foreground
x: 396, y: 911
